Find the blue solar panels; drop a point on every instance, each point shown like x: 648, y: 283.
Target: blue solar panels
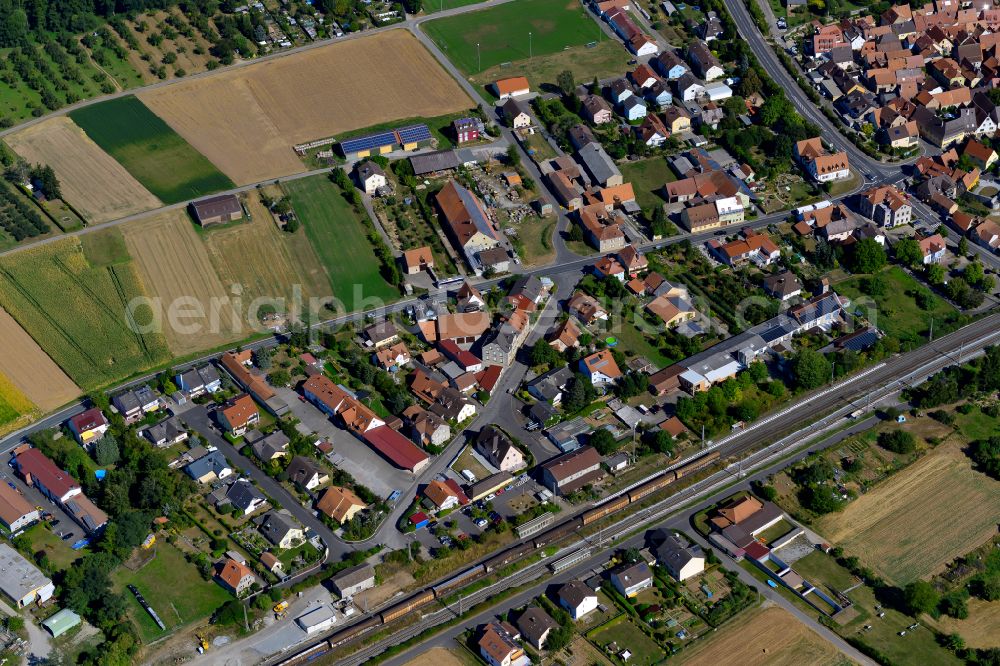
x: 402, y: 136
x: 413, y: 134
x: 368, y: 142
x: 861, y: 341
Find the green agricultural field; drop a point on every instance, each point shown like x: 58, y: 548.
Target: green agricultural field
x: 105, y: 248
x: 150, y: 150
x: 502, y: 32
x: 186, y: 599
x: 339, y: 236
x: 77, y: 312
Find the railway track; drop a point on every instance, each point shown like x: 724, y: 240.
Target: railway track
x: 846, y: 396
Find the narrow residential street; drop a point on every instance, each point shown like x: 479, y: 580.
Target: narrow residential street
x: 200, y: 420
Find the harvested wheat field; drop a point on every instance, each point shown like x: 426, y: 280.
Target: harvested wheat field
x: 771, y: 636
x: 247, y: 120
x: 173, y: 262
x: 31, y: 370
x: 912, y: 524
x: 261, y: 258
x: 92, y: 181
x: 980, y: 630
x: 439, y: 656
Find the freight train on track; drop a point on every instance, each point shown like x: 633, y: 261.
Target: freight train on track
x: 515, y: 552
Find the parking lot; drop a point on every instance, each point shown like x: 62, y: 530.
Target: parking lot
x: 62, y: 524
x: 349, y: 453
x: 506, y: 505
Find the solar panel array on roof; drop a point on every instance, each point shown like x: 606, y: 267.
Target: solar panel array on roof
x: 368, y: 142
x: 861, y: 342
x: 413, y: 134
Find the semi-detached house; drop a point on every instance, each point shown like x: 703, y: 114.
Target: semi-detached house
x: 704, y: 62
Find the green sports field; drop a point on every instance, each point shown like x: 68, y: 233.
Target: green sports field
x: 150, y: 150
x: 502, y: 32
x: 339, y: 236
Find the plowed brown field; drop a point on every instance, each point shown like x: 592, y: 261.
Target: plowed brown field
x: 92, y: 181
x: 246, y: 120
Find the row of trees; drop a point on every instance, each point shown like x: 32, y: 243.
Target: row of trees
x: 979, y: 375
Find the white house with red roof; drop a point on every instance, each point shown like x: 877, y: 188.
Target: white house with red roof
x: 600, y: 368
x: 89, y: 426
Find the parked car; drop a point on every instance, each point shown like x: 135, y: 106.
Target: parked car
x: 481, y: 523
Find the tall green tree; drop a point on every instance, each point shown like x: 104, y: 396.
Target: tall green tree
x: 868, y: 257
x: 908, y: 252
x: 566, y: 82
x: 810, y: 369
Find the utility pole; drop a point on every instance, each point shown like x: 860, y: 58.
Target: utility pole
x: 930, y: 337
x: 529, y: 45
x: 479, y: 57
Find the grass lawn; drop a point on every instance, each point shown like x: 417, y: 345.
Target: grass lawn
x: 434, y: 6
x: 469, y: 462
x: 776, y: 531
x: 917, y: 648
x: 842, y: 187
x: 631, y: 339
x: 977, y: 425
x: 629, y: 637
x: 648, y: 178
x: 896, y: 311
x: 502, y: 33
x: 538, y: 148
x: 603, y: 60
x: 59, y: 552
x: 287, y: 556
x: 185, y: 599
x: 821, y: 569
x: 150, y: 150
x: 339, y: 237
x: 535, y: 235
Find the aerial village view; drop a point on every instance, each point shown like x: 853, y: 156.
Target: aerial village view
x: 501, y: 332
